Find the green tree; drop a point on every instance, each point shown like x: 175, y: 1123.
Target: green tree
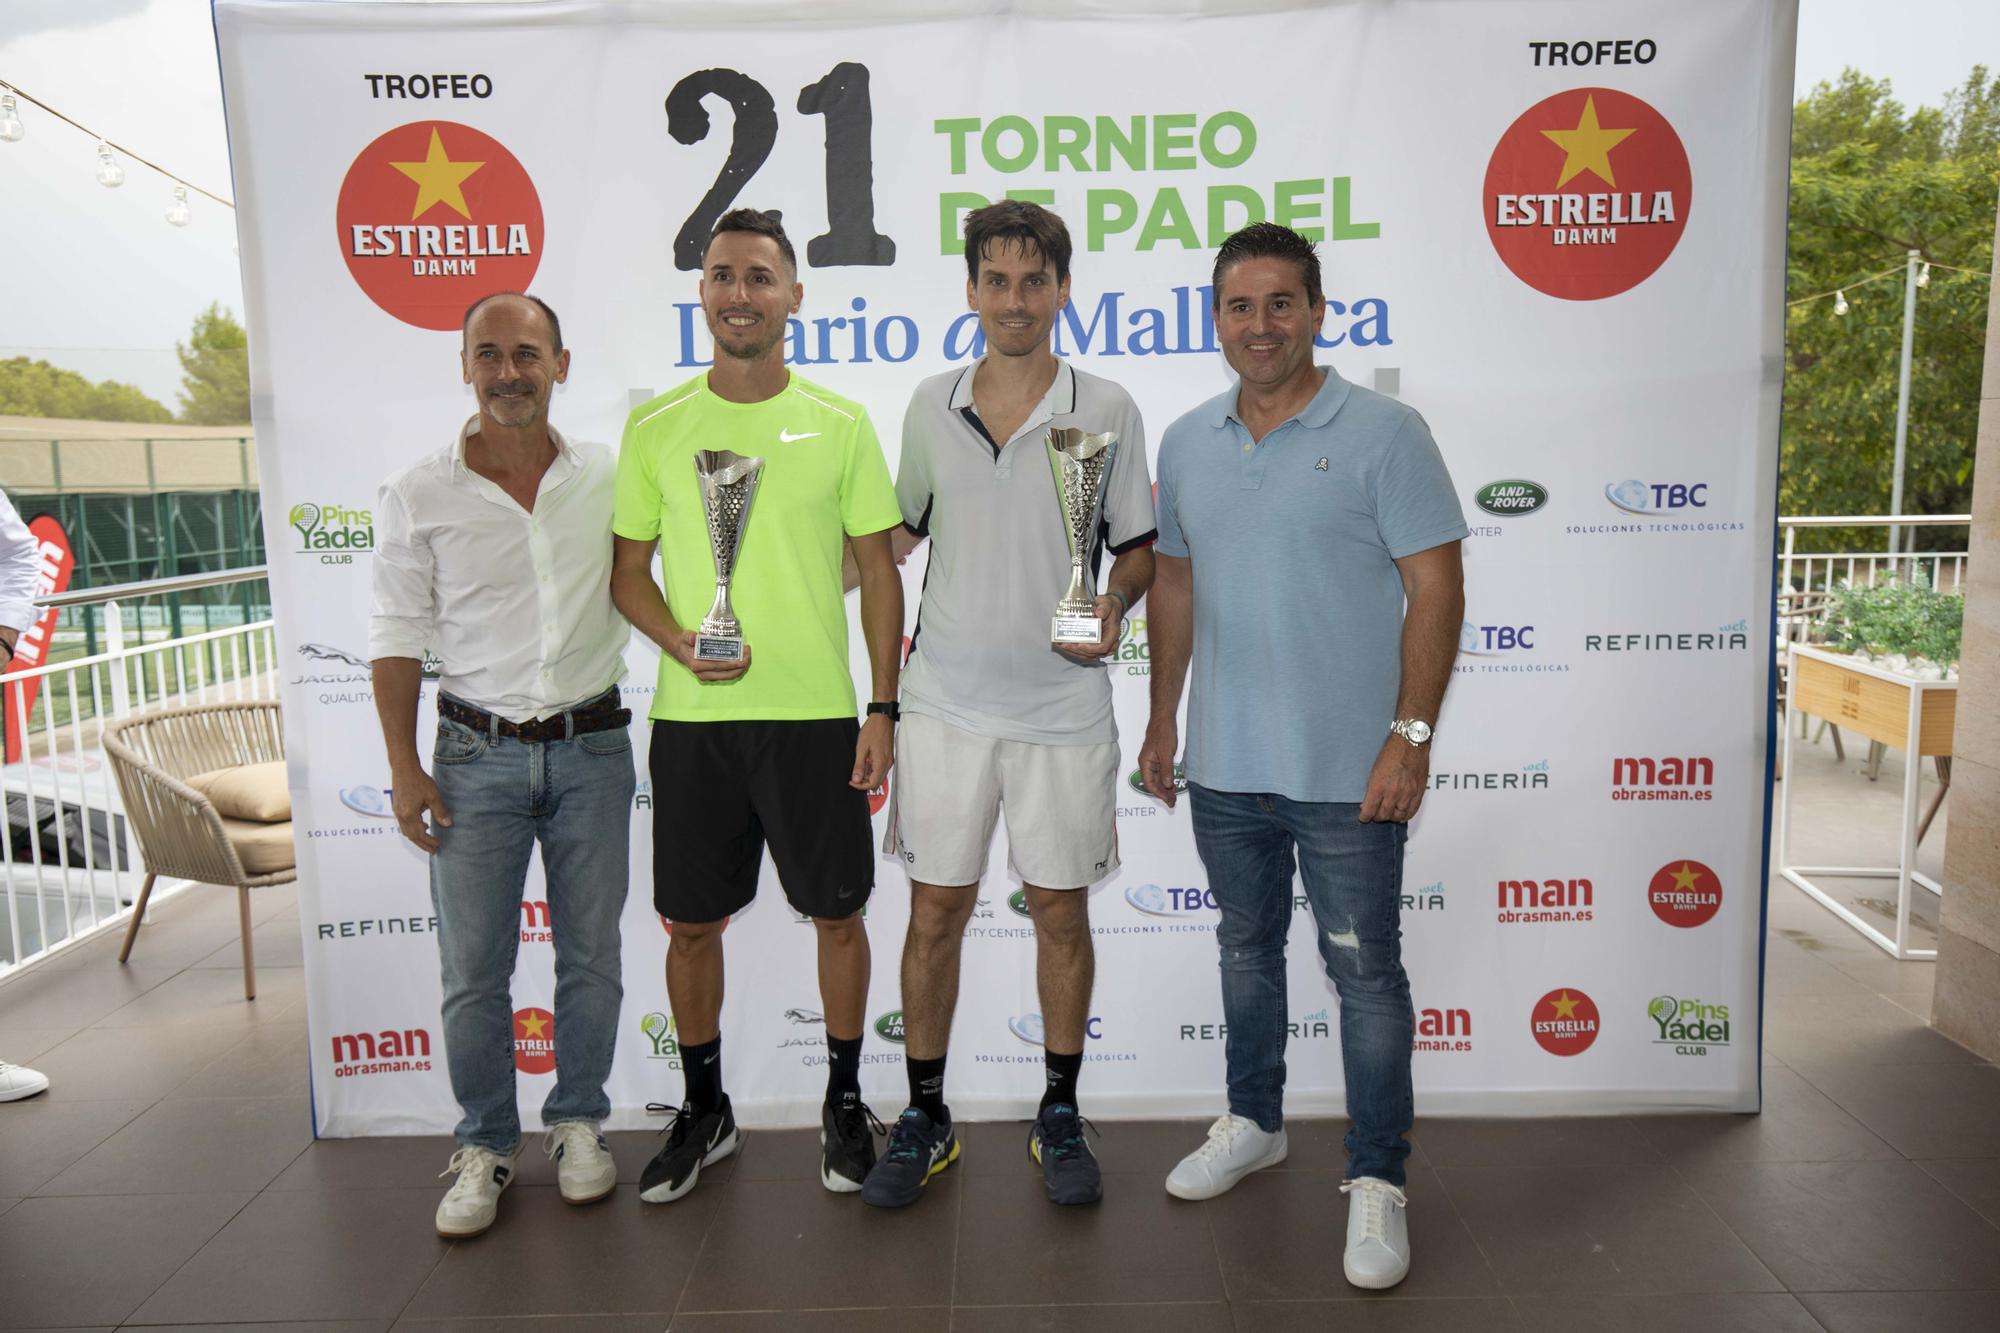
x: 215, y: 371
x: 1871, y: 182
x: 38, y: 389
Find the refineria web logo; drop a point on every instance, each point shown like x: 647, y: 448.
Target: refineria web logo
x: 1587, y: 194
x: 434, y: 215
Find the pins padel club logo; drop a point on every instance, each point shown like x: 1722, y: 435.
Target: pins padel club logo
x: 1587, y: 194
x: 1565, y: 1022
x: 534, y: 1041
x: 432, y: 216
x: 1685, y: 893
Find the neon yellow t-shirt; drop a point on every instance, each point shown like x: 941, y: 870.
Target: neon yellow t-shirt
x: 824, y: 477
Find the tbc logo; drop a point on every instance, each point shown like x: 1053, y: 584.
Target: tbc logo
x: 1174, y: 901
x: 1028, y: 1027
x: 366, y: 800
x: 658, y: 1028
x: 1509, y: 499
x: 1565, y: 1022
x: 1657, y: 497
x: 1685, y: 893
x: 1669, y: 779
x: 1587, y: 194
x: 386, y: 1052
x: 1492, y: 640
x: 534, y: 1041
x: 433, y: 215
x: 1689, y: 1026
x: 889, y: 1027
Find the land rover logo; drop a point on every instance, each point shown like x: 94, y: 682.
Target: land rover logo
x: 889, y: 1027
x: 1017, y: 902
x: 1509, y: 499
x: 1137, y: 779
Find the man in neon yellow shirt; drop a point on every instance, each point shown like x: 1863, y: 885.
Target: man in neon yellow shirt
x: 765, y: 749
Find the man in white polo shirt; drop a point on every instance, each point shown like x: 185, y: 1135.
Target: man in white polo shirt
x: 993, y: 714
x: 495, y: 553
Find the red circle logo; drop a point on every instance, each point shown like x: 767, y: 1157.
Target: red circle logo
x: 434, y: 215
x: 1565, y: 1022
x: 1587, y: 194
x: 878, y: 796
x: 1685, y: 893
x: 534, y: 1041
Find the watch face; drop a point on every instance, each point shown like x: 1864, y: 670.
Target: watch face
x: 1418, y: 732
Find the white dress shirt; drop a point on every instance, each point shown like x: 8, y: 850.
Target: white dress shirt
x: 516, y: 605
x: 20, y: 567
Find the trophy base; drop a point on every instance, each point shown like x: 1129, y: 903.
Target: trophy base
x: 717, y: 648
x: 1075, y: 629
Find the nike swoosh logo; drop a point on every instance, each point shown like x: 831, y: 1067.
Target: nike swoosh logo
x: 787, y: 437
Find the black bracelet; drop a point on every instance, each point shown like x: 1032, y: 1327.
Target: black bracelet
x: 889, y: 710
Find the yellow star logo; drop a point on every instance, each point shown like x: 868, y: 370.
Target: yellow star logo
x: 1588, y: 146
x: 1684, y: 878
x: 438, y: 179
x: 1565, y: 1007
x: 533, y: 1026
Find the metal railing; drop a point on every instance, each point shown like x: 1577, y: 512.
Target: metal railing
x: 69, y: 859
x: 1810, y: 571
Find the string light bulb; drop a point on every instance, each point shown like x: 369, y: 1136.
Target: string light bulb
x: 11, y: 128
x: 178, y: 213
x: 1924, y: 274
x: 109, y: 174
x: 1840, y: 303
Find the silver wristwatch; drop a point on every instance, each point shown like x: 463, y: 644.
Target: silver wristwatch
x: 1414, y: 730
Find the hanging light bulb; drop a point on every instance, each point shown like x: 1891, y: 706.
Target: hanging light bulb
x: 1840, y: 303
x: 1924, y: 274
x: 178, y: 213
x: 11, y: 128
x: 109, y: 174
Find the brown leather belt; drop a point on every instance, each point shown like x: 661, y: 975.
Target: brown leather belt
x: 599, y: 714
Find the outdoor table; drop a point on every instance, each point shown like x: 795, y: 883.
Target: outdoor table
x: 1914, y: 716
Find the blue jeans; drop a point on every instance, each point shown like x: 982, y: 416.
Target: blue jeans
x: 503, y: 794
x: 1353, y: 876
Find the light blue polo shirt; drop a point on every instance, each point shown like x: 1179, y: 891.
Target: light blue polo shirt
x: 1298, y: 606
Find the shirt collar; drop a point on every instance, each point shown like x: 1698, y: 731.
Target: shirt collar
x: 1316, y: 413
x: 566, y: 454
x: 1061, y: 395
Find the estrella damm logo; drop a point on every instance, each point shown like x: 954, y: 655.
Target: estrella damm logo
x: 1587, y: 194
x: 1685, y: 893
x: 1565, y: 1022
x: 534, y: 1041
x: 432, y: 216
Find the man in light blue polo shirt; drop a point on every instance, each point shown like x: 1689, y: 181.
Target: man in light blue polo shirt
x: 1321, y: 530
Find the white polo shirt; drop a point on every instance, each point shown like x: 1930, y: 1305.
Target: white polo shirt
x: 980, y: 657
x: 516, y: 605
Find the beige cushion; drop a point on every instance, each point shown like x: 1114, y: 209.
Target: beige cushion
x: 264, y: 849
x: 252, y: 791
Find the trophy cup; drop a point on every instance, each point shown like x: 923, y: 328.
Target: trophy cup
x: 728, y: 481
x: 1081, y: 462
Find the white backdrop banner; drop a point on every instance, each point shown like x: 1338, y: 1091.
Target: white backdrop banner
x: 1555, y: 229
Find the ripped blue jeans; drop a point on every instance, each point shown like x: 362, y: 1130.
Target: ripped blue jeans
x: 1353, y: 877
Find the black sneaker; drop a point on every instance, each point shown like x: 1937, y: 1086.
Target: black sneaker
x: 917, y: 1151
x: 1069, y: 1167
x: 847, y: 1131
x: 694, y: 1139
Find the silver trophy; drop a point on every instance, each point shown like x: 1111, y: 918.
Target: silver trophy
x: 728, y: 482
x: 1081, y: 462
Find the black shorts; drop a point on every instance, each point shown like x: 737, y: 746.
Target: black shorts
x: 722, y: 790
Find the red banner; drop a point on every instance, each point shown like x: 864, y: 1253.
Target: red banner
x: 55, y: 562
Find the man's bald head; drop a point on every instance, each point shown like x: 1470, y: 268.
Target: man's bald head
x: 548, y: 313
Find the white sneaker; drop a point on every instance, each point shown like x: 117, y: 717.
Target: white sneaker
x: 1378, y: 1234
x: 1235, y: 1148
x: 17, y: 1082
x: 584, y: 1170
x: 473, y: 1200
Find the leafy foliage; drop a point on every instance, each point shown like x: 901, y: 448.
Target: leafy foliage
x: 1910, y: 618
x: 1871, y: 182
x: 38, y: 389
x: 215, y: 370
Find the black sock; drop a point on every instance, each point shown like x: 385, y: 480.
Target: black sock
x: 1062, y: 1071
x: 843, y: 1068
x: 701, y: 1066
x: 927, y: 1086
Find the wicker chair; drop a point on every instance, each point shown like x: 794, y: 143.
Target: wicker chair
x: 180, y: 832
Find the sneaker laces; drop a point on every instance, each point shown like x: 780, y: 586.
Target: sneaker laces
x: 680, y: 1120
x: 1069, y: 1142
x: 904, y: 1145
x: 1222, y: 1136
x: 471, y: 1163
x: 572, y: 1140
x: 856, y: 1119
x: 1377, y: 1197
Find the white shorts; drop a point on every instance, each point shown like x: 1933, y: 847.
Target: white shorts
x: 949, y: 786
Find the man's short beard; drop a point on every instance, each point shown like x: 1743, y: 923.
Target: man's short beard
x: 754, y: 353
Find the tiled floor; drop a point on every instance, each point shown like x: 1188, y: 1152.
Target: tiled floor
x: 169, y: 1179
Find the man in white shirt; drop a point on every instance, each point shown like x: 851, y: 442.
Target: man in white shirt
x: 20, y: 561
x: 495, y: 553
